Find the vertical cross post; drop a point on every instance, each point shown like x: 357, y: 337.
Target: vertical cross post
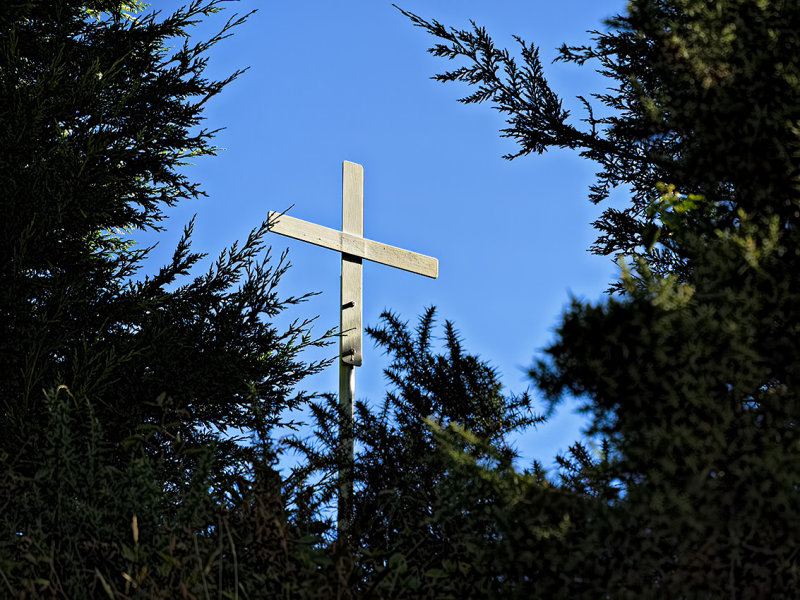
x: 350, y: 340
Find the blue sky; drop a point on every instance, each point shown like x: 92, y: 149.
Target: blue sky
x: 350, y: 80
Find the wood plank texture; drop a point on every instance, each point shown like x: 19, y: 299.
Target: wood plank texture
x: 333, y: 239
x: 352, y: 225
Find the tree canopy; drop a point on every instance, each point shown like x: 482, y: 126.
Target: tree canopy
x: 126, y: 398
x: 689, y: 373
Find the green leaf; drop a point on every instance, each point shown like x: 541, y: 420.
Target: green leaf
x: 650, y: 236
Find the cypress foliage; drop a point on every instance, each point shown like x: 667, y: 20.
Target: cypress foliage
x: 439, y: 403
x: 136, y: 457
x: 689, y: 373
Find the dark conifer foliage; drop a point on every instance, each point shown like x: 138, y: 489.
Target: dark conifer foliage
x: 401, y: 465
x: 101, y: 117
x: 117, y: 388
x: 690, y: 374
x: 703, y: 107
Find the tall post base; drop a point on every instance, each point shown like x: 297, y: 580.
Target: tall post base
x: 347, y: 383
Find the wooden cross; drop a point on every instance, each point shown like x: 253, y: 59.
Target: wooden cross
x: 354, y: 248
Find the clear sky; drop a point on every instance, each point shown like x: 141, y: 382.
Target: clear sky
x: 350, y: 80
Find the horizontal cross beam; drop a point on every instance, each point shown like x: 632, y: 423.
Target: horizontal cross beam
x: 354, y: 245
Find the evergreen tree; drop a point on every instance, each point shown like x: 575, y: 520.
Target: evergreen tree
x: 699, y: 97
x: 690, y: 375
x: 120, y: 473
x: 100, y: 117
x: 401, y: 469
